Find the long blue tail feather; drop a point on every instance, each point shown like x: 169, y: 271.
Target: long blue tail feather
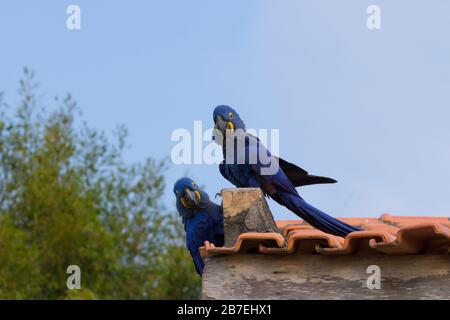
x: 312, y: 215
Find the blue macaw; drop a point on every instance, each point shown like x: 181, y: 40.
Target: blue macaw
x: 202, y: 218
x: 248, y: 164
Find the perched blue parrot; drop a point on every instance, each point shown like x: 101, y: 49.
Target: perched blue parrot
x: 202, y: 218
x: 248, y: 164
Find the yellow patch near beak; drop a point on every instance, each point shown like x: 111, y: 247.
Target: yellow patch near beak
x: 230, y: 125
x: 186, y: 205
x: 199, y: 197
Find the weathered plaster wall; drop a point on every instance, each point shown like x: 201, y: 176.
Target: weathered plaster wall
x: 263, y: 276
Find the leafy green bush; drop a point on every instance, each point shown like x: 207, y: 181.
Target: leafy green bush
x: 68, y: 197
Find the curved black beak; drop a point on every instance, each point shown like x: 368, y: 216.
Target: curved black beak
x: 220, y: 124
x: 191, y: 198
x: 220, y: 127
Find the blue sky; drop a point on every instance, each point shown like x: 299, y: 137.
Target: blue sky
x: 369, y: 108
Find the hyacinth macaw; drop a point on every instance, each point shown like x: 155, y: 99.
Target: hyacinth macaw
x: 202, y: 218
x: 251, y: 165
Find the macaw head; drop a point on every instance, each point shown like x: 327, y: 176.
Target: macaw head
x: 226, y: 118
x: 190, y: 198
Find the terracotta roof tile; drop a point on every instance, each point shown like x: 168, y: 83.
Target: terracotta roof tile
x: 360, y: 242
x: 305, y: 241
x: 413, y: 220
x: 385, y: 235
x: 421, y: 238
x: 246, y: 243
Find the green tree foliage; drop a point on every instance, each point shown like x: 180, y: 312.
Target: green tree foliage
x: 68, y: 197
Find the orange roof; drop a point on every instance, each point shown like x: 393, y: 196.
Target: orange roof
x: 385, y: 235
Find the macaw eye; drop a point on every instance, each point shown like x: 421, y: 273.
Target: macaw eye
x: 193, y: 184
x: 231, y: 115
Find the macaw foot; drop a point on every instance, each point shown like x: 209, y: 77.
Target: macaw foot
x: 218, y: 194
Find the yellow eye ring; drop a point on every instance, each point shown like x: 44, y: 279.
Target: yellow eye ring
x: 231, y: 115
x: 193, y: 183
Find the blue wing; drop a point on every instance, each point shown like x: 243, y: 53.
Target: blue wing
x: 198, y: 261
x: 255, y: 167
x: 259, y: 168
x: 216, y: 215
x: 197, y: 232
x: 237, y: 174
